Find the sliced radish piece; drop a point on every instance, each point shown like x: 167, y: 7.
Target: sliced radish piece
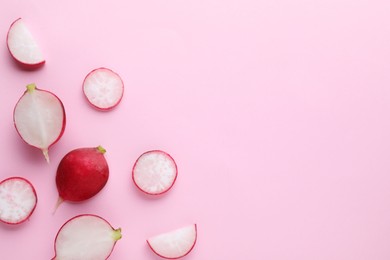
x: 154, y: 172
x: 85, y: 237
x: 39, y: 118
x: 23, y: 47
x: 18, y: 200
x: 103, y: 88
x: 174, y: 244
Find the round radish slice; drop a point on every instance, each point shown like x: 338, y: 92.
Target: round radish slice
x: 103, y: 88
x: 23, y: 47
x: 154, y: 172
x: 174, y: 244
x: 18, y: 200
x: 86, y: 237
x: 39, y: 118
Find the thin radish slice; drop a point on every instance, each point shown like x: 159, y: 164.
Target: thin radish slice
x: 103, y: 88
x: 39, y: 118
x: 23, y: 47
x: 154, y: 172
x: 18, y: 200
x: 85, y: 237
x: 174, y: 244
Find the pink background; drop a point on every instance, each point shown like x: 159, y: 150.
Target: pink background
x: 277, y: 113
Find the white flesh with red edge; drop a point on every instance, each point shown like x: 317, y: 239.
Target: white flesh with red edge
x: 85, y: 237
x: 18, y: 200
x: 39, y: 118
x: 174, y: 244
x: 22, y: 45
x: 154, y: 172
x: 103, y: 88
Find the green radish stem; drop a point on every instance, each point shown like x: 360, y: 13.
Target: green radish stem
x: 101, y: 149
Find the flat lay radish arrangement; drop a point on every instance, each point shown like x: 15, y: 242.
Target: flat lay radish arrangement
x: 39, y: 119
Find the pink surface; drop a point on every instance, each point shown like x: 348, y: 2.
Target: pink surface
x: 276, y: 112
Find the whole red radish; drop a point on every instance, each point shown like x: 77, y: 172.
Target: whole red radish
x: 81, y: 174
x: 23, y: 47
x: 18, y: 200
x: 39, y: 118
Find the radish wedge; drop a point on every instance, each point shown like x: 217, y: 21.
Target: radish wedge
x: 39, y: 118
x: 23, y: 47
x: 18, y: 200
x: 103, y: 88
x: 174, y: 244
x: 85, y: 237
x: 154, y: 172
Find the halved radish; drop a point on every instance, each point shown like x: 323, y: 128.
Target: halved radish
x: 85, y: 237
x: 103, y: 88
x: 23, y: 47
x: 18, y: 200
x: 39, y: 118
x: 174, y: 244
x: 154, y: 172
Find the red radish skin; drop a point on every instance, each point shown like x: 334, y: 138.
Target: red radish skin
x: 103, y: 88
x: 187, y: 251
x: 22, y: 62
x: 10, y: 198
x: 37, y: 117
x: 81, y: 174
x: 116, y: 235
x: 137, y: 176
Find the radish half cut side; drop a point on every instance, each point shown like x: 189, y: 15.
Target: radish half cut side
x: 18, y: 200
x: 154, y: 172
x: 174, y: 244
x: 103, y: 88
x: 23, y: 47
x: 39, y: 118
x: 85, y: 237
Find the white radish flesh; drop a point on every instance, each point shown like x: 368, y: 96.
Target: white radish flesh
x: 18, y: 200
x: 154, y: 172
x: 39, y: 118
x: 103, y: 88
x: 85, y: 237
x: 23, y: 47
x: 174, y: 244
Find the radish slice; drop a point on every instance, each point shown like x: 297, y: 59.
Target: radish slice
x: 39, y: 118
x: 103, y: 88
x: 174, y: 244
x: 154, y: 172
x: 23, y: 47
x: 86, y: 237
x: 18, y: 200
